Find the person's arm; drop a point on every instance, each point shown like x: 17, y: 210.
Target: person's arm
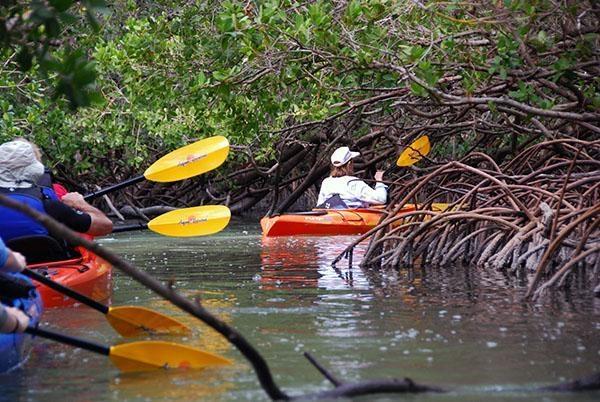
x: 99, y: 224
x: 366, y: 193
x: 11, y: 261
x: 15, y: 262
x: 3, y: 253
x: 12, y: 320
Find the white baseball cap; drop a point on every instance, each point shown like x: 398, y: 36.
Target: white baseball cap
x: 342, y: 155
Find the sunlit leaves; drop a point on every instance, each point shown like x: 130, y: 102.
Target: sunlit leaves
x: 353, y: 11
x: 34, y: 29
x: 318, y: 14
x: 269, y: 12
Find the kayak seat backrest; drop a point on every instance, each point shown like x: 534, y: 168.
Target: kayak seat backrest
x: 39, y: 248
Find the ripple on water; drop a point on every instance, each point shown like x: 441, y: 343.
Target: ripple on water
x: 455, y: 326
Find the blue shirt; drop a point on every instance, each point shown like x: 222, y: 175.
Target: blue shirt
x: 3, y: 253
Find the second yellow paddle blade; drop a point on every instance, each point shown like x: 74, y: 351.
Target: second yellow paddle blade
x: 152, y: 355
x: 196, y: 221
x: 131, y: 321
x: 190, y: 160
x: 414, y: 152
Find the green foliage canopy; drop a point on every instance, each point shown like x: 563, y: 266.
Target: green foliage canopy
x: 170, y: 72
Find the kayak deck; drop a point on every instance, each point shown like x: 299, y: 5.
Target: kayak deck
x: 88, y: 274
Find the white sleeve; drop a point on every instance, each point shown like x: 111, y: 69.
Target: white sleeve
x: 365, y: 193
x: 321, y: 198
x: 323, y: 192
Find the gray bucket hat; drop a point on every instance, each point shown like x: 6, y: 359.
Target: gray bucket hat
x: 18, y: 165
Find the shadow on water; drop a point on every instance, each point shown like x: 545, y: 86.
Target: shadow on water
x: 456, y: 327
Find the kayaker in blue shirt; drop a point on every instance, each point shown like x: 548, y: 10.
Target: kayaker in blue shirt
x: 341, y: 190
x: 19, y: 172
x: 11, y: 319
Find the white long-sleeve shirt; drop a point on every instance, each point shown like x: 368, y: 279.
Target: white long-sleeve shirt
x: 355, y: 192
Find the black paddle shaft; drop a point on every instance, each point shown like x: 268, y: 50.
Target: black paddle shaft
x: 114, y: 187
x: 66, y: 291
x: 129, y: 228
x: 69, y: 340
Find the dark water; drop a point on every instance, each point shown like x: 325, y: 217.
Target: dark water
x: 457, y: 328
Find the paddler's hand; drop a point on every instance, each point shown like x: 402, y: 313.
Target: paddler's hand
x: 379, y: 175
x: 74, y: 200
x: 16, y: 321
x: 100, y: 225
x: 15, y: 262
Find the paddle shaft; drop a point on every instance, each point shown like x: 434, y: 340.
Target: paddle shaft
x: 309, y: 213
x: 69, y: 340
x: 129, y: 228
x: 114, y: 187
x: 66, y: 291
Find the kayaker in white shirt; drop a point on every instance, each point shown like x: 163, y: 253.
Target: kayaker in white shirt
x: 341, y: 190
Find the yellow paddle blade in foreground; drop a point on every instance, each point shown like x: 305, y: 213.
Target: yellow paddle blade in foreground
x: 414, y: 152
x: 190, y: 160
x: 195, y: 221
x: 131, y: 321
x: 152, y: 355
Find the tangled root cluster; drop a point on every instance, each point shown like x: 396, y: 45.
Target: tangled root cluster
x: 535, y: 217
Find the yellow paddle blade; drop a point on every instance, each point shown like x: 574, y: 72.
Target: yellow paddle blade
x: 152, y: 355
x: 190, y: 160
x: 196, y: 221
x: 414, y: 152
x: 439, y: 207
x: 131, y: 321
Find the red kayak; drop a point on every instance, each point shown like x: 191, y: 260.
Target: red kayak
x: 324, y: 222
x: 87, y: 274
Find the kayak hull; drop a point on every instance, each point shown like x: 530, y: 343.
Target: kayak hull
x: 14, y: 348
x: 329, y: 222
x: 89, y: 275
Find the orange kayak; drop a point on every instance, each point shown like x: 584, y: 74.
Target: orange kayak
x: 331, y: 222
x: 324, y: 222
x: 88, y: 274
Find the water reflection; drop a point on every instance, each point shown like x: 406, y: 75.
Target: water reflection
x: 305, y: 262
x: 203, y: 337
x: 292, y: 262
x: 208, y: 384
x: 431, y: 319
x: 452, y: 326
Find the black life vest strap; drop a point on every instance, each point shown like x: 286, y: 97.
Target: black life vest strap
x: 36, y: 192
x: 333, y: 202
